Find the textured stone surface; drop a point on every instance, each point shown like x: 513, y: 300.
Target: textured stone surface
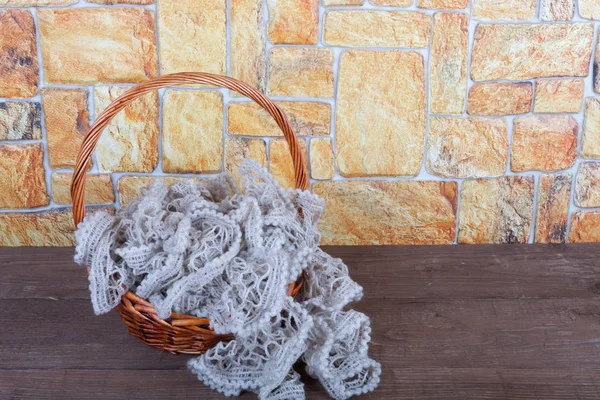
x: 36, y: 3
x: 192, y: 36
x: 558, y: 96
x: 384, y: 212
x: 377, y: 28
x: 297, y: 71
x: 587, y: 186
x: 293, y: 21
x: 443, y: 4
x: 380, y: 122
x: 321, y: 158
x: 18, y: 54
x: 248, y: 48
x: 596, y: 70
x: 22, y: 180
x: 585, y: 227
x: 557, y: 10
x: 306, y: 118
x: 496, y: 210
x: 500, y: 98
x: 448, y: 64
x: 467, y: 147
x: 343, y: 2
x: 554, y: 192
x: 239, y: 149
x: 90, y: 45
x: 589, y: 9
x: 280, y: 161
x: 67, y: 120
x: 192, y: 140
x: 543, y: 143
x: 129, y: 186
x: 393, y: 3
x: 130, y: 142
x: 121, y: 1
x: 524, y: 51
x: 590, y: 144
x: 503, y: 9
x: 98, y: 188
x: 20, y: 121
x: 53, y: 228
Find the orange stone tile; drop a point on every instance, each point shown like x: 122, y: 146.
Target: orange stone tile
x: 301, y: 71
x: 321, y: 158
x: 516, y: 10
x: 306, y: 119
x: 590, y: 145
x: 98, y: 188
x: 67, y: 121
x: 248, y: 48
x: 293, y: 21
x: 467, y: 147
x: 84, y: 46
x: 36, y: 3
x: 19, y: 76
x: 496, y: 210
x: 585, y: 227
x: 554, y: 193
x: 558, y: 96
x: 48, y: 228
x: 587, y: 186
x: 22, y: 179
x: 500, y: 98
x: 385, y: 212
x: 280, y: 161
x: 443, y: 4
x: 544, y: 143
x: 130, y: 142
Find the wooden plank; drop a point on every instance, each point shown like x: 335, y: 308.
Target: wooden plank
x: 515, y: 334
x: 110, y: 384
x: 402, y: 272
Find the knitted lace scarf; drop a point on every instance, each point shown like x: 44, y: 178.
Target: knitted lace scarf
x: 208, y: 249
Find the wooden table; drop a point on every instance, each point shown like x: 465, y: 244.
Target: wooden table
x: 454, y: 322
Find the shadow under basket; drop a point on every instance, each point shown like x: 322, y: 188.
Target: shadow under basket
x: 184, y: 334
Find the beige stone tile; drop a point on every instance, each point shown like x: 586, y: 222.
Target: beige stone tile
x: 239, y: 149
x: 385, y: 212
x: 448, y: 63
x: 321, y: 158
x: 36, y: 3
x: 443, y: 4
x: 376, y: 28
x: 554, y: 192
x: 557, y: 10
x: 280, y: 161
x: 141, y: 2
x: 558, y: 96
x: 327, y: 3
x: 587, y: 186
x: 467, y: 147
x: 293, y: 21
x: 98, y: 188
x: 67, y: 121
x: 129, y: 187
x: 19, y: 76
x: 192, y: 36
x: 192, y: 131
x: 585, y: 227
x: 392, y: 3
x: 543, y: 143
x: 84, y: 46
x: 22, y: 179
x: 306, y: 119
x: 589, y: 9
x: 590, y: 144
x: 380, y: 122
x: 525, y: 51
x: 503, y: 9
x: 301, y: 71
x: 500, y: 98
x: 130, y: 142
x: 20, y: 121
x: 497, y: 210
x: 248, y: 49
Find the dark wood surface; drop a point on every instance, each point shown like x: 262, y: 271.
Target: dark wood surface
x: 449, y: 322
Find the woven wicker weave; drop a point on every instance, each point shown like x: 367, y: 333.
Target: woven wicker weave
x: 180, y: 333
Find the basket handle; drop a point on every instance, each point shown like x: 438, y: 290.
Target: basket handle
x: 181, y: 78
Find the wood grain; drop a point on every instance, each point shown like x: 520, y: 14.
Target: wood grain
x: 455, y: 322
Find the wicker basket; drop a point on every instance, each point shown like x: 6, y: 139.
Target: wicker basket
x: 180, y: 333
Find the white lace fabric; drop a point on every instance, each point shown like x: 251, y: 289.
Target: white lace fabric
x: 207, y: 248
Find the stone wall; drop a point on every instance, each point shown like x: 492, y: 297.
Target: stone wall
x: 424, y: 121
